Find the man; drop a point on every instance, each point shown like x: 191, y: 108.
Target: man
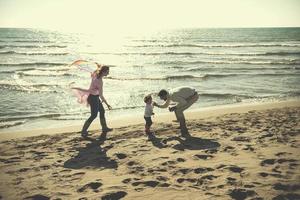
x: 184, y: 97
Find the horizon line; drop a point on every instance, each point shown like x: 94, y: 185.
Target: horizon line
x: 195, y: 27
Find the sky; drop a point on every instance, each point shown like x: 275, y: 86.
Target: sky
x: 143, y: 15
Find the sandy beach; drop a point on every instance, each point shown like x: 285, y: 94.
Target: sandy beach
x: 234, y: 152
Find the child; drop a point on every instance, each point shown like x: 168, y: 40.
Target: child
x: 148, y: 113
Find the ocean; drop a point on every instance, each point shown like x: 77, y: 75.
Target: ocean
x: 225, y: 65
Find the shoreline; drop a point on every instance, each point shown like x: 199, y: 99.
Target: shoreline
x: 199, y: 113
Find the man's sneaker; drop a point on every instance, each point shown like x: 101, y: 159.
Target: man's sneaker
x: 185, y: 134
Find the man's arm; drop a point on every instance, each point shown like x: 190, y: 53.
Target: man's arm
x: 165, y: 105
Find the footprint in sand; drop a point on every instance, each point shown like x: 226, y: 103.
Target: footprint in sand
x: 280, y: 161
x: 208, y: 177
x: 145, y: 183
x: 287, y: 187
x: 36, y: 155
x: 157, y: 170
x: 180, y: 160
x: 60, y: 149
x: 69, y: 177
x: 231, y: 181
x: 293, y: 165
x: 160, y: 158
x: 44, y: 167
x: 37, y: 197
x: 168, y: 163
x: 287, y: 196
x: 211, y: 151
x: 162, y: 178
x: 283, y: 160
x: 268, y: 162
x: 164, y: 185
x: 171, y: 163
x: 92, y: 186
x: 120, y: 155
x: 248, y: 148
x: 221, y: 166
x: 18, y: 180
x: 235, y: 169
x: 114, y: 195
x: 128, y: 180
x: 263, y: 174
x: 131, y: 163
x: 197, y: 181
x: 203, y: 156
x: 266, y: 135
x: 282, y: 154
x: 150, y: 183
x: 134, y: 167
x: 228, y: 148
x: 10, y: 160
x: 275, y: 169
x: 240, y: 194
x: 24, y: 170
x: 137, y: 170
x: 249, y: 186
x: 182, y: 171
x: 241, y: 139
x: 190, y: 180
x: 203, y: 170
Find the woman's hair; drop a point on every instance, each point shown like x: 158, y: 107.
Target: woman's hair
x: 100, y: 69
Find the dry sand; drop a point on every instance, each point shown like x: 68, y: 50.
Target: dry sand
x: 237, y: 152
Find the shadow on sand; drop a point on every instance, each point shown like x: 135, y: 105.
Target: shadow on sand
x: 91, y: 156
x: 156, y: 141
x: 188, y: 142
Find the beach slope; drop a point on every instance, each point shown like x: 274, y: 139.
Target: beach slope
x: 244, y: 153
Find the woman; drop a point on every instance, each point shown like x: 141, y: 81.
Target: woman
x: 93, y: 93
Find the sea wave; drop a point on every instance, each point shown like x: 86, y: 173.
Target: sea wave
x: 278, y: 53
x: 214, y: 68
x: 23, y: 86
x: 175, y: 77
x: 207, y: 76
x: 7, y: 124
x: 32, y: 46
x: 31, y: 41
x: 31, y: 116
x: 286, y: 62
x: 225, y: 95
x: 36, y: 85
x: 201, y: 77
x: 32, y: 64
x: 33, y: 53
x: 43, y: 73
x: 220, y: 45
